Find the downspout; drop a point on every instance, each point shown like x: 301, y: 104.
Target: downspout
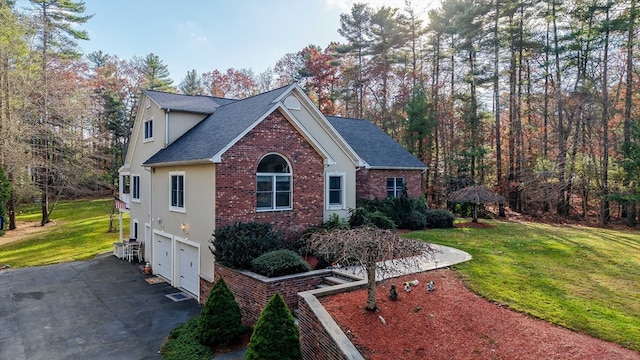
x: 149, y: 246
x: 166, y: 128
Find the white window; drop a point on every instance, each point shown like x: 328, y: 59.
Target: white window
x: 135, y: 187
x: 125, y: 185
x: 394, y: 186
x: 134, y: 230
x: 148, y: 130
x: 177, y: 191
x: 273, y: 184
x: 335, y: 190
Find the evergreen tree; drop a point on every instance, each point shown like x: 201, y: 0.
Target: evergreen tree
x: 57, y: 22
x: 191, y: 84
x: 157, y: 74
x: 275, y: 335
x: 220, y: 322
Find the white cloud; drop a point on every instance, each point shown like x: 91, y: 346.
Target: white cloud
x: 194, y: 31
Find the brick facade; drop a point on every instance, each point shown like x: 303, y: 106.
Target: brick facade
x: 253, y: 291
x: 372, y: 183
x: 236, y: 178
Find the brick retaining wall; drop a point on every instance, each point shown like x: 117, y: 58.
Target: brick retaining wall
x: 252, y: 291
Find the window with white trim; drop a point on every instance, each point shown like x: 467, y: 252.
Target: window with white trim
x: 394, y: 186
x: 135, y: 187
x: 177, y: 191
x: 335, y: 190
x: 134, y: 230
x: 273, y: 184
x: 148, y: 129
x: 125, y: 185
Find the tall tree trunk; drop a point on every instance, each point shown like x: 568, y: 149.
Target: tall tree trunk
x: 628, y: 101
x: 563, y: 205
x: 605, y: 211
x: 496, y: 105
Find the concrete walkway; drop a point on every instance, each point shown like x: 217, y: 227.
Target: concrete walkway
x: 97, y: 309
x: 443, y: 257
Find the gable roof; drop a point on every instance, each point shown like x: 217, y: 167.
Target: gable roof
x: 217, y: 131
x: 195, y: 104
x: 373, y: 145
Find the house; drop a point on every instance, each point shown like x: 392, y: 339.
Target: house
x: 196, y: 163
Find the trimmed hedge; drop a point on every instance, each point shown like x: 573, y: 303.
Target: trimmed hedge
x: 439, y: 219
x: 275, y: 336
x: 238, y: 245
x: 279, y: 263
x: 221, y: 319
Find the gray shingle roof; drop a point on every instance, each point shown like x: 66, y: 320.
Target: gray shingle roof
x: 196, y: 104
x: 218, y: 130
x: 373, y: 145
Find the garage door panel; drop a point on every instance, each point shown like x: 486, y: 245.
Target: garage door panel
x: 162, y: 256
x: 189, y: 268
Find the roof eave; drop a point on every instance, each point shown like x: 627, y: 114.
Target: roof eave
x: 396, y: 168
x: 180, y: 163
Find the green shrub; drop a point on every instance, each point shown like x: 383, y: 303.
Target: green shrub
x: 365, y: 217
x: 381, y: 220
x: 439, y: 219
x: 183, y: 344
x: 399, y: 209
x: 279, y: 263
x: 237, y: 245
x: 220, y: 320
x: 415, y: 221
x: 275, y: 336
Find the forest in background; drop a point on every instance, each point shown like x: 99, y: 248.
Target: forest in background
x: 533, y: 98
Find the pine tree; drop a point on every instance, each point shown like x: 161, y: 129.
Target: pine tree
x: 220, y: 322
x: 157, y: 74
x: 191, y: 84
x: 275, y: 335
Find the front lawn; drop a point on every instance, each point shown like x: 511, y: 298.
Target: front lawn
x: 78, y: 232
x: 585, y: 279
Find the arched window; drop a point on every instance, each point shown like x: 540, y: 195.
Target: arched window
x: 273, y: 183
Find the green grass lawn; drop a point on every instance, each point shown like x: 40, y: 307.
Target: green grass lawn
x: 80, y: 231
x: 585, y: 279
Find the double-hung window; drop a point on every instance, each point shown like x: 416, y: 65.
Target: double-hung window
x: 148, y: 130
x: 394, y: 186
x: 125, y: 186
x: 135, y: 187
x: 177, y: 191
x: 273, y: 184
x: 335, y: 190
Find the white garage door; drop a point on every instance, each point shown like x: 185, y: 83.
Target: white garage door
x: 189, y: 269
x: 162, y: 256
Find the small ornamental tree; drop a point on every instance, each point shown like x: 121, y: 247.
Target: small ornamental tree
x: 375, y: 250
x: 220, y: 321
x: 275, y: 336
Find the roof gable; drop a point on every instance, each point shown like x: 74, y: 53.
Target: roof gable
x: 373, y: 145
x: 218, y: 131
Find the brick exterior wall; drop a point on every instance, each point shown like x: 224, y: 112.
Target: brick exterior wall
x: 253, y: 291
x: 373, y: 183
x: 316, y: 341
x: 236, y: 178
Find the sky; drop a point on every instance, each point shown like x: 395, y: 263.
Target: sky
x: 206, y: 35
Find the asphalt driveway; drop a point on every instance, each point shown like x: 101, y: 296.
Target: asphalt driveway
x: 97, y: 309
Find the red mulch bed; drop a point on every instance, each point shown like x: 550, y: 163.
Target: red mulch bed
x: 453, y: 323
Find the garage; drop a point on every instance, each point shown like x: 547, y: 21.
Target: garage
x: 189, y: 259
x: 162, y: 255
